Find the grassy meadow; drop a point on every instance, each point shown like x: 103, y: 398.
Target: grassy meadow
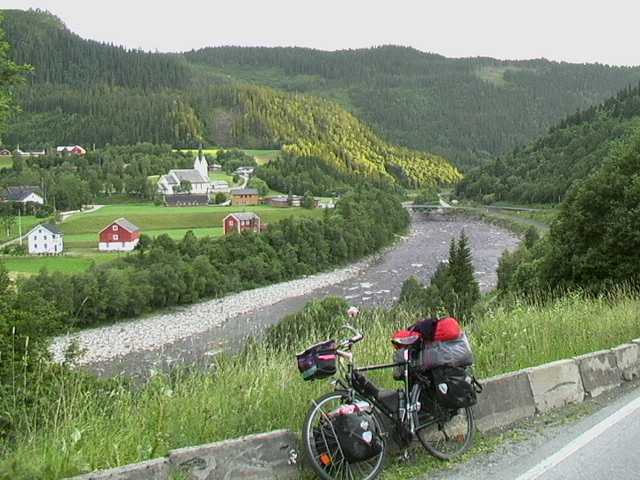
x: 65, y: 263
x: 160, y: 219
x: 93, y: 429
x: 261, y: 156
x: 27, y: 221
x: 6, y: 162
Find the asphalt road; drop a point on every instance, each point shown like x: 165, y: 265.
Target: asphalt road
x: 603, y: 445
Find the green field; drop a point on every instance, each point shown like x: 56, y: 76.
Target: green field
x: 6, y: 162
x: 161, y: 219
x: 63, y: 263
x: 28, y: 222
x: 222, y: 176
x: 90, y: 240
x: 261, y: 156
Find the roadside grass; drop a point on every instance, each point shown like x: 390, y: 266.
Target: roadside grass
x: 159, y: 218
x: 261, y: 390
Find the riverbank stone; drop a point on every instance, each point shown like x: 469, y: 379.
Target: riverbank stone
x: 504, y: 400
x: 266, y: 456
x: 157, y: 469
x: 628, y: 360
x: 555, y: 385
x: 599, y: 372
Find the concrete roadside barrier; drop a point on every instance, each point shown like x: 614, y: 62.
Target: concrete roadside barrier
x: 505, y: 399
x: 628, y: 360
x: 555, y: 384
x: 156, y: 469
x: 599, y: 372
x: 266, y: 456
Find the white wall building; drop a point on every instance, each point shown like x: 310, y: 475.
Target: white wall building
x: 220, y: 186
x: 24, y: 194
x: 45, y: 239
x: 198, y: 177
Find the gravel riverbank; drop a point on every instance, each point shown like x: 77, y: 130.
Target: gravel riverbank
x: 195, y: 334
x: 104, y: 343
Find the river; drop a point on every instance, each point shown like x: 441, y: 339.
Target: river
x: 195, y: 334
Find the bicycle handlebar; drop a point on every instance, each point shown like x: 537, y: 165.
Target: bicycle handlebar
x: 357, y: 337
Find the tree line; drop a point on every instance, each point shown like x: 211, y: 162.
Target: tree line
x: 164, y: 273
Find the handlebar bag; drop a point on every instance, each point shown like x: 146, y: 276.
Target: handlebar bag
x: 358, y: 436
x: 454, y: 386
x: 318, y: 361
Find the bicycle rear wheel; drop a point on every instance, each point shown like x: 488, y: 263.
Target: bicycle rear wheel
x: 323, y: 448
x: 446, y: 433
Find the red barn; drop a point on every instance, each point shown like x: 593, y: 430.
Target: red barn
x: 119, y: 236
x: 239, y: 222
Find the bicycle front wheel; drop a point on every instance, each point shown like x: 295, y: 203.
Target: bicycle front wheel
x: 323, y: 448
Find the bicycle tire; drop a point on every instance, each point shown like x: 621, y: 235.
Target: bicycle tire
x: 310, y: 451
x: 430, y: 446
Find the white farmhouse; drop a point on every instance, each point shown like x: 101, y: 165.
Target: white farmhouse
x: 45, y: 239
x: 198, y: 177
x: 24, y: 194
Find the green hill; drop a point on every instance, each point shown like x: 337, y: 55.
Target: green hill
x: 99, y: 107
x: 543, y: 171
x: 467, y: 110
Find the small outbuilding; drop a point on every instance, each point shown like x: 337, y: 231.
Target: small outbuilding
x: 240, y: 222
x: 119, y: 236
x: 45, y: 239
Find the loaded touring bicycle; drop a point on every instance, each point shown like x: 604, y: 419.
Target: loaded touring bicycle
x: 347, y: 432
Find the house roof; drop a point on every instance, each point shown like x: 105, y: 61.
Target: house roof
x: 220, y: 183
x: 243, y: 216
x: 19, y: 193
x: 52, y: 228
x: 186, y: 198
x: 244, y: 191
x: 191, y: 175
x: 124, y: 223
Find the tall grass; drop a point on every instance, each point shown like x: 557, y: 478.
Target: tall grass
x: 89, y: 426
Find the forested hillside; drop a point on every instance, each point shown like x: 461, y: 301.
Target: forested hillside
x: 466, y: 109
x: 101, y: 108
x: 543, y: 171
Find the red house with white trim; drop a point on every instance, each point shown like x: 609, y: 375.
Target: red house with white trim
x: 239, y: 222
x: 119, y: 236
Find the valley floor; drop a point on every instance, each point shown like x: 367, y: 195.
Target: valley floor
x: 197, y: 333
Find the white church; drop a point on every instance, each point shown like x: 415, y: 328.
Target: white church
x: 198, y: 177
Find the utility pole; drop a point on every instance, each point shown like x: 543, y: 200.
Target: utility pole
x: 20, y: 226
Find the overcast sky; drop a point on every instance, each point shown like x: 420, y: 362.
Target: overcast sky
x: 571, y: 30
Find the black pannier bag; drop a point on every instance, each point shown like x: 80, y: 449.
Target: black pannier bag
x: 455, y: 387
x: 358, y: 436
x: 318, y: 361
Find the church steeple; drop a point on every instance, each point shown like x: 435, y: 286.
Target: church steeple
x: 201, y: 164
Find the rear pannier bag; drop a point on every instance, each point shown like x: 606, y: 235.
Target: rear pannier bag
x: 454, y: 387
x: 318, y: 361
x: 358, y: 436
x: 453, y: 353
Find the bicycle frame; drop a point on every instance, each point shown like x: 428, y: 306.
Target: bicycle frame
x: 411, y: 400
